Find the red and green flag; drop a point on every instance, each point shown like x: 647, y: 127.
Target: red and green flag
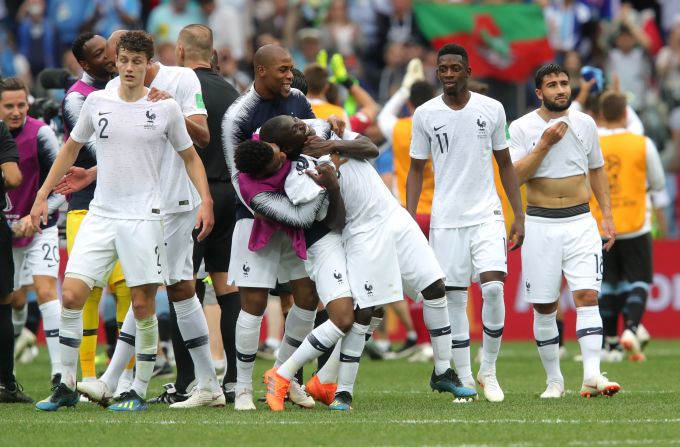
x: 506, y: 42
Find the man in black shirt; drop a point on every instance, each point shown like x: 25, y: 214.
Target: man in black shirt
x: 10, y: 392
x: 194, y: 50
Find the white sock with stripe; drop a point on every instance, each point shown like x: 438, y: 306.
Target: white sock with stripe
x: 146, y: 346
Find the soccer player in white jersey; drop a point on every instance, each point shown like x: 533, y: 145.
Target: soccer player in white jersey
x: 180, y: 207
x: 384, y: 249
x: 557, y: 154
x: 461, y: 131
x: 126, y: 218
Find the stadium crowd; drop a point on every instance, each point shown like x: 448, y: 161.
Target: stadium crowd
x: 365, y: 66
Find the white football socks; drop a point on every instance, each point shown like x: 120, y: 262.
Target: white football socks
x: 51, y: 312
x: 456, y: 301
x: 493, y: 319
x: 547, y: 340
x: 320, y: 340
x: 436, y: 319
x: 589, y: 333
x: 299, y: 323
x: 194, y: 329
x: 70, y: 335
x: 247, y: 336
x: 146, y: 345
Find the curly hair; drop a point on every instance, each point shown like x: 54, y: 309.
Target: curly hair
x: 137, y: 42
x: 252, y: 156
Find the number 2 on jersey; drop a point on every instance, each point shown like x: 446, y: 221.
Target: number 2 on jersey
x: 103, y: 122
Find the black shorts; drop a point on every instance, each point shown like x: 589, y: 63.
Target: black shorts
x: 6, y: 259
x: 629, y: 260
x: 215, y: 250
x: 281, y: 289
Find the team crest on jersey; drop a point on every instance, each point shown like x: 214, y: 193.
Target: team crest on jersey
x: 338, y: 276
x: 481, y: 128
x: 301, y: 165
x: 150, y: 120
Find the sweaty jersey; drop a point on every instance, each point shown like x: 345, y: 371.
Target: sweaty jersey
x: 576, y: 153
x: 461, y: 143
x: 132, y: 139
x: 178, y: 193
x: 247, y: 114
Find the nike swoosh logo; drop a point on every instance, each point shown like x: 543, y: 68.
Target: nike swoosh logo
x: 437, y: 128
x: 104, y: 113
x: 51, y: 265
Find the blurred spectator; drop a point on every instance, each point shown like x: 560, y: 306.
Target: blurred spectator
x: 13, y: 64
x: 276, y: 19
x: 111, y: 15
x: 167, y: 20
x: 572, y: 63
x: 564, y: 19
x: 230, y: 27
x: 309, y: 45
x: 69, y: 16
x: 393, y: 72
x: 668, y: 70
x: 670, y: 15
x: 341, y: 35
x: 317, y: 86
x: 229, y: 69
x: 628, y: 60
x: 37, y: 36
x: 399, y: 25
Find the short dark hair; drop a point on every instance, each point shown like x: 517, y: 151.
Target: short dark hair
x: 455, y: 49
x: 252, y: 156
x: 77, y: 47
x: 12, y: 85
x: 421, y: 92
x: 137, y: 42
x: 299, y: 81
x: 546, y: 70
x: 317, y: 78
x: 273, y: 129
x: 613, y: 106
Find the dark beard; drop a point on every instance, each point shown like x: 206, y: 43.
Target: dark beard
x: 553, y: 107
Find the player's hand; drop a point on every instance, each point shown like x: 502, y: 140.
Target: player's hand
x: 205, y: 220
x: 24, y: 227
x: 337, y: 125
x: 158, y: 95
x: 325, y: 176
x: 554, y: 133
x: 317, y: 147
x: 338, y: 160
x: 608, y: 232
x: 75, y: 179
x: 39, y: 214
x: 516, y: 236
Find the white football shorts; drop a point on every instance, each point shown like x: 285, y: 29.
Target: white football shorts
x: 554, y: 246
x: 101, y: 241
x: 466, y: 252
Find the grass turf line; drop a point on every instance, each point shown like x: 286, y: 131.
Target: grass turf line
x: 393, y: 406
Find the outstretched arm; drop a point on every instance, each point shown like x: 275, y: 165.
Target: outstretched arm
x: 361, y: 147
x: 65, y: 159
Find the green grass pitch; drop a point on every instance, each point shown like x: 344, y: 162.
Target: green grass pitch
x: 393, y: 406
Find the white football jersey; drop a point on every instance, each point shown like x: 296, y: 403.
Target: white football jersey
x: 577, y: 152
x: 179, y: 194
x: 461, y: 143
x: 132, y: 139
